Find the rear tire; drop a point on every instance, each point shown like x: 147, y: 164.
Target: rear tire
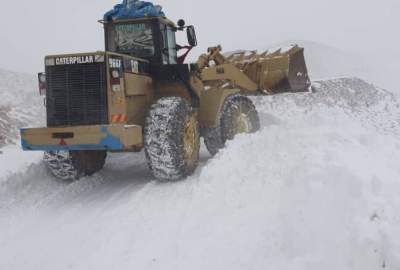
x: 71, y: 166
x: 239, y: 115
x: 172, y: 139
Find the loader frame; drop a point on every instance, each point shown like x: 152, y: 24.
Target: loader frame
x: 205, y: 85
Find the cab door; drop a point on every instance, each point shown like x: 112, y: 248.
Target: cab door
x: 169, y: 53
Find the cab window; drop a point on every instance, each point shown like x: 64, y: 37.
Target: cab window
x: 135, y: 39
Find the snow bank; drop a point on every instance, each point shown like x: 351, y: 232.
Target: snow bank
x: 16, y: 88
x: 316, y: 188
x: 13, y: 160
x: 303, y: 195
x: 20, y: 105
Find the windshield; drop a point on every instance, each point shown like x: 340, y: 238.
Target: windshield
x: 135, y: 39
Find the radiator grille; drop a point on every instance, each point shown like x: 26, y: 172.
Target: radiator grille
x: 76, y: 95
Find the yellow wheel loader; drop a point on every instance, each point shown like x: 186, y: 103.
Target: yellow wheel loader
x: 139, y: 94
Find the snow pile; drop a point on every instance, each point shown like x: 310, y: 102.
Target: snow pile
x: 316, y: 188
x: 312, y: 193
x: 13, y: 160
x: 20, y: 105
x: 359, y: 100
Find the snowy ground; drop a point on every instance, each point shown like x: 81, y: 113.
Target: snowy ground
x: 316, y: 188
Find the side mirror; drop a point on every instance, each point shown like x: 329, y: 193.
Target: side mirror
x: 181, y: 24
x: 191, y: 36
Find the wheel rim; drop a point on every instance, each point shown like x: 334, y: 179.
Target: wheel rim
x: 242, y: 121
x: 189, y: 139
x: 243, y: 124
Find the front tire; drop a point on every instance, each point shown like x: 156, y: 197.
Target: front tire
x: 238, y: 116
x: 70, y: 166
x: 172, y: 139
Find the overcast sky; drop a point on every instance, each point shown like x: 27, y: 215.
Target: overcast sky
x: 32, y: 29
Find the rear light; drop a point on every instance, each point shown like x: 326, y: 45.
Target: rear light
x: 115, y: 74
x: 42, y: 83
x: 115, y: 80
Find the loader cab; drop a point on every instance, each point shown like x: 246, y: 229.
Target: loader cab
x: 153, y: 39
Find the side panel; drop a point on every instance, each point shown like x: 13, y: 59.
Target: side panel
x: 211, y: 102
x: 138, y: 85
x: 139, y: 91
x: 137, y: 108
x: 130, y: 95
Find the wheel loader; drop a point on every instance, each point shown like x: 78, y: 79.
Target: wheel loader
x: 139, y: 94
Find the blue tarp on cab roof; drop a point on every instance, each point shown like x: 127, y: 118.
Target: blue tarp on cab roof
x: 133, y: 9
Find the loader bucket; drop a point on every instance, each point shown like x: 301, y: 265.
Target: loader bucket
x: 276, y: 71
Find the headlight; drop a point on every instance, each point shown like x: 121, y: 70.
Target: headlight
x: 115, y: 74
x: 50, y: 62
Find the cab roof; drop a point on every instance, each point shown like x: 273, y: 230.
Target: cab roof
x: 161, y: 19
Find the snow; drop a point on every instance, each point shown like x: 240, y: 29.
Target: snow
x: 316, y: 188
x: 285, y: 49
x: 20, y: 105
x: 306, y: 194
x: 13, y: 160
